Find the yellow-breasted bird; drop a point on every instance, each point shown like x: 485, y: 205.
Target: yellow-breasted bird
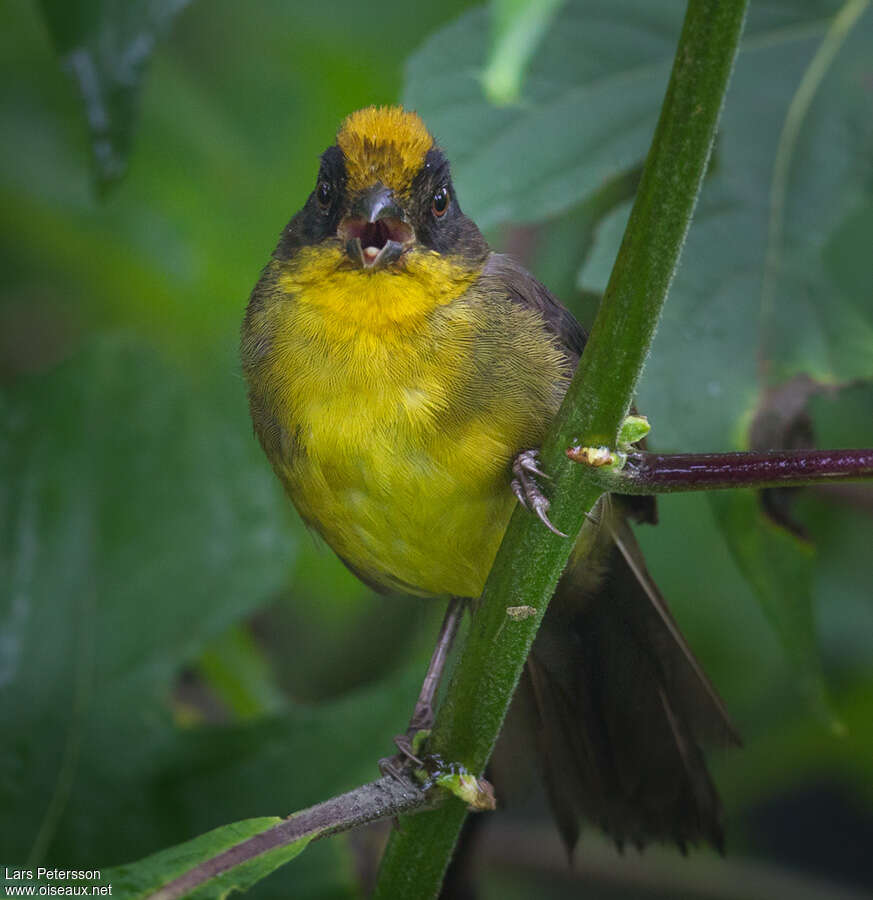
x: 401, y: 375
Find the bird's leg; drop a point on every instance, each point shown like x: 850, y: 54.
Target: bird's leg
x: 525, y: 468
x: 423, y: 714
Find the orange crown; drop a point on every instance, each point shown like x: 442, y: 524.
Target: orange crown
x: 383, y: 143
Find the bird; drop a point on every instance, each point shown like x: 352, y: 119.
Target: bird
x: 401, y: 375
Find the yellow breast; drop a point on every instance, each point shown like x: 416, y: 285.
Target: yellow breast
x: 396, y: 447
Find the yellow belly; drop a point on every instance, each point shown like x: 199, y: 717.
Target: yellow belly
x: 409, y: 515
x: 397, y: 432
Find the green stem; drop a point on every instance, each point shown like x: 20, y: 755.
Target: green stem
x: 531, y: 559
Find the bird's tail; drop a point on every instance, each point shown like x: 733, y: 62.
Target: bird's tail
x: 622, y: 706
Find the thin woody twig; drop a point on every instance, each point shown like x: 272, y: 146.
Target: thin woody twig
x: 383, y: 799
x: 666, y: 473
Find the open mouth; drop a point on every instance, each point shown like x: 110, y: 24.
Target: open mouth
x: 375, y: 244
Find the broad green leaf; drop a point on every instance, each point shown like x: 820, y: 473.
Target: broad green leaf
x: 518, y: 27
x: 716, y: 340
x: 235, y: 667
x: 588, y: 105
x: 138, y: 523
x: 105, y: 46
x: 587, y: 112
x: 703, y: 383
x: 140, y: 880
x: 816, y: 302
x: 844, y: 418
x: 284, y: 762
x: 779, y: 566
x: 838, y: 522
x: 717, y: 609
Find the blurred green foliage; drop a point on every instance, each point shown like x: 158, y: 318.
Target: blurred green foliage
x: 140, y: 880
x: 175, y: 652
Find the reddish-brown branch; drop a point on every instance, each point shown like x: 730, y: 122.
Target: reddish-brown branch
x: 663, y: 473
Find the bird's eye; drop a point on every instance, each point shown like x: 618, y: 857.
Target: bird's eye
x: 324, y: 194
x: 440, y: 202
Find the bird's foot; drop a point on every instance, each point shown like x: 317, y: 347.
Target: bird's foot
x: 525, y: 469
x: 409, y: 744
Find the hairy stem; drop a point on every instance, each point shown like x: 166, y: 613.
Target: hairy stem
x: 531, y: 558
x: 669, y: 473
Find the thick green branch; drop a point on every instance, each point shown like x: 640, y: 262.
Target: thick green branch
x: 531, y: 559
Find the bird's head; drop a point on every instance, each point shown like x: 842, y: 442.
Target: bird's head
x: 383, y: 192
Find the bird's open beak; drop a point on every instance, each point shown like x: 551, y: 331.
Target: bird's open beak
x: 375, y: 233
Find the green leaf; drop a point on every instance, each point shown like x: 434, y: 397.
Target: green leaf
x: 816, y: 302
x: 807, y: 310
x: 594, y: 88
x: 588, y: 106
x: 844, y: 418
x: 139, y: 880
x: 838, y: 521
x: 703, y: 381
x: 518, y: 26
x: 236, y: 668
x: 779, y: 566
x: 105, y: 46
x: 138, y: 522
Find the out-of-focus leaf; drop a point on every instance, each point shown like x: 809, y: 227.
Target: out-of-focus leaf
x: 594, y: 88
x: 844, y: 418
x: 588, y: 107
x: 845, y: 254
x: 703, y: 383
x: 779, y: 566
x: 801, y: 750
x: 838, y: 521
x: 139, y: 880
x: 236, y: 669
x: 137, y: 523
x: 105, y: 45
x: 816, y: 301
x: 287, y: 761
x: 518, y: 27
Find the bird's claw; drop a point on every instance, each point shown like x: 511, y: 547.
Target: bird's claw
x: 408, y: 745
x: 525, y: 467
x: 401, y: 763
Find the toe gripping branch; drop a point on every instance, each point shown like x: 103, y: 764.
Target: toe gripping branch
x: 422, y: 718
x: 526, y: 469
x: 632, y: 471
